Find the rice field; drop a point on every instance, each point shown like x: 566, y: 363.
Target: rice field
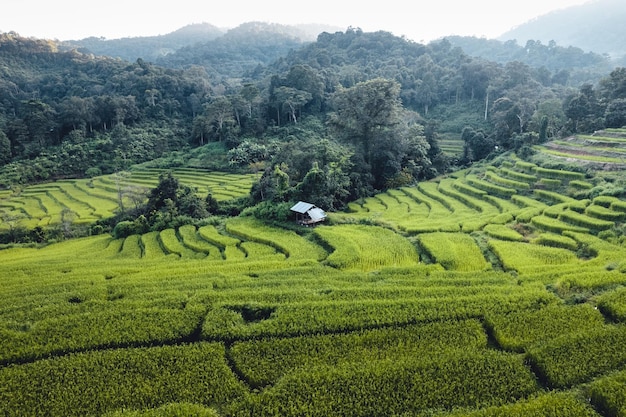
x: 91, y: 199
x: 454, y: 297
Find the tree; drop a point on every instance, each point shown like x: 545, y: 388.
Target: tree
x: 476, y: 145
x: 365, y: 111
x: 172, y: 199
x: 274, y: 185
x: 5, y: 148
x: 40, y: 118
x: 292, y: 100
x: 583, y: 109
x: 551, y: 111
x: 67, y: 220
x: 305, y: 78
x: 614, y: 86
x: 426, y: 91
x: 476, y: 76
x: 76, y: 112
x: 201, y: 128
x: 166, y: 189
x: 615, y: 115
x: 220, y: 117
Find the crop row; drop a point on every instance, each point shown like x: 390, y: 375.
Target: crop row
x: 93, y: 199
x: 502, y: 232
x: 94, y: 383
x: 613, y: 304
x: 519, y: 330
x: 609, y: 394
x: 265, y: 361
x: 527, y: 257
x: 288, y: 242
x: 506, y: 190
x: 361, y: 247
x: 554, y: 404
x: 454, y: 251
x: 388, y: 387
x: 228, y: 322
x: 577, y: 357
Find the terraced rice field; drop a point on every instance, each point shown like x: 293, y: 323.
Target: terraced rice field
x: 605, y: 148
x: 473, y: 295
x: 91, y: 199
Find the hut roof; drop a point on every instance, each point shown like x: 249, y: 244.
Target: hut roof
x: 314, y: 214
x: 302, y: 207
x: 317, y: 214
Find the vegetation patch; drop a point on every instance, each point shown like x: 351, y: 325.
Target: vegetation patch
x: 454, y: 251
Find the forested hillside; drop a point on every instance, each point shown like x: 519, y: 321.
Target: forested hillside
x: 343, y: 117
x: 581, y: 66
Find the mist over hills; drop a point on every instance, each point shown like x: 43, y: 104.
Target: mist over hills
x: 151, y: 48
x: 597, y: 26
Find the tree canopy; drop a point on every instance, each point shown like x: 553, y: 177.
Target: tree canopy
x: 339, y: 118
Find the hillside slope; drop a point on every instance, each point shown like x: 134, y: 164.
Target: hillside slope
x: 594, y: 26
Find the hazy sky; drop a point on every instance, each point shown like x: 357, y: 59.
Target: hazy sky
x: 417, y: 20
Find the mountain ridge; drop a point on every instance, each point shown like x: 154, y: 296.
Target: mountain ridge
x: 596, y: 26
x: 151, y: 48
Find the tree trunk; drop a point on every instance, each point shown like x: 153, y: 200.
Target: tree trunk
x: 486, y: 105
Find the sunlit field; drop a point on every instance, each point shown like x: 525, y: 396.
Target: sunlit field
x: 491, y: 292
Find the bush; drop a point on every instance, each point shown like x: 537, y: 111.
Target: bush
x: 124, y: 229
x: 268, y: 210
x: 93, y: 172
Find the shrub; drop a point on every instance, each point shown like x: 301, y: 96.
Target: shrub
x: 124, y: 229
x: 268, y: 210
x: 93, y: 172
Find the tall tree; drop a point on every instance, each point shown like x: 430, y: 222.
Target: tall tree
x: 365, y: 111
x: 220, y: 116
x: 292, y: 100
x: 5, y: 148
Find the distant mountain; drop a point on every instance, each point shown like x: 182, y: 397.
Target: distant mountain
x: 152, y: 48
x: 533, y: 53
x: 243, y: 48
x: 596, y: 26
x: 148, y: 48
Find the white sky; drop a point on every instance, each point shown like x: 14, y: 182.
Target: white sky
x: 418, y: 20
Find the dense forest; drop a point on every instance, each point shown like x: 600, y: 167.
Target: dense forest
x: 332, y: 120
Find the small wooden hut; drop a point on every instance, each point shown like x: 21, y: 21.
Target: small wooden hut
x: 307, y: 214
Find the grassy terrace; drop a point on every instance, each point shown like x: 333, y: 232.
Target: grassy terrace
x: 464, y: 296
x: 606, y: 147
x: 92, y: 199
